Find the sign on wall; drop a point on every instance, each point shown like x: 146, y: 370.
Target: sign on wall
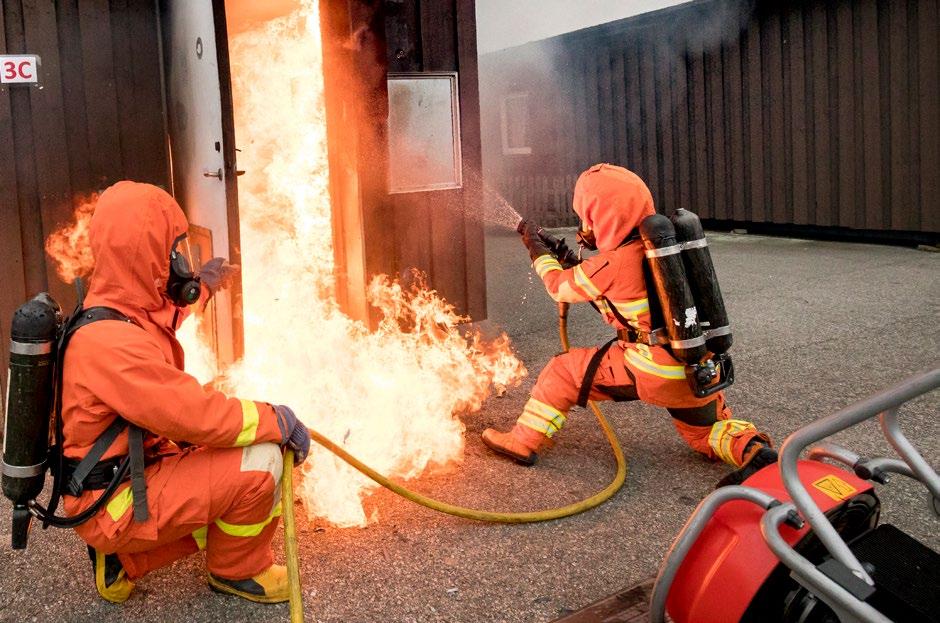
x: 423, y: 132
x: 19, y: 69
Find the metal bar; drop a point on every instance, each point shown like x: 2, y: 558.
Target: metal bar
x: 690, y: 532
x: 820, y: 429
x: 843, y: 602
x: 880, y: 463
x: 925, y: 473
x: 835, y: 452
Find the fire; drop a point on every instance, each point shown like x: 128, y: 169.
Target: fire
x: 391, y: 397
x: 68, y: 247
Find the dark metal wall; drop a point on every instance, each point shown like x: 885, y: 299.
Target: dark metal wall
x: 437, y: 232
x: 824, y: 114
x: 97, y: 119
x: 432, y: 231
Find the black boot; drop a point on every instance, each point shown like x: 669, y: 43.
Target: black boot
x: 757, y: 457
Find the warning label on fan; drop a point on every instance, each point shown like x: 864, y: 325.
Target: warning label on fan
x: 835, y: 487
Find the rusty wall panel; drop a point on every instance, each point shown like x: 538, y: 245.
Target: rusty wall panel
x: 810, y: 114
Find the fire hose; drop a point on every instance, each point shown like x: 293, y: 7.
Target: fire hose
x: 290, y: 540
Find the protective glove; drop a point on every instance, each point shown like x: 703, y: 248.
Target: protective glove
x: 532, y: 241
x: 217, y: 273
x: 297, y: 436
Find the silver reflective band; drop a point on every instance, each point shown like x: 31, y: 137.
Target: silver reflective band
x: 725, y: 330
x: 664, y: 251
x: 26, y: 471
x: 701, y: 243
x: 27, y: 348
x: 690, y: 343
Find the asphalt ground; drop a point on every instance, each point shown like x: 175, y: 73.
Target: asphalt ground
x: 817, y: 325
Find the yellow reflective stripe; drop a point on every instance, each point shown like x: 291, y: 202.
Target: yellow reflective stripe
x: 582, y: 281
x: 248, y: 530
x: 249, y: 424
x: 547, y: 412
x: 120, y: 503
x: 545, y: 264
x: 722, y: 436
x: 656, y: 369
x: 632, y: 309
x: 536, y: 423
x: 200, y: 536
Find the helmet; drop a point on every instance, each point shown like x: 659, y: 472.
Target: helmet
x: 610, y: 201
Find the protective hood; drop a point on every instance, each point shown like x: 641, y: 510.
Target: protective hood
x: 611, y: 201
x: 131, y: 233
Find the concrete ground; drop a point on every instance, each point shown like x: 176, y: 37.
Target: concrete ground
x: 817, y: 325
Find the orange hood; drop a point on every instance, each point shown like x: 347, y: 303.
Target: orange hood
x: 131, y: 233
x: 611, y: 201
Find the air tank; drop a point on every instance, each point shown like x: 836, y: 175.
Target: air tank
x: 703, y: 281
x: 29, y: 406
x: 680, y: 317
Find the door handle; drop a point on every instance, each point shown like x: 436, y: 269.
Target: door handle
x: 217, y: 174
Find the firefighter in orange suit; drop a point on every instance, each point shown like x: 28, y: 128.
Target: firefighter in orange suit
x: 611, y: 202
x: 221, y: 493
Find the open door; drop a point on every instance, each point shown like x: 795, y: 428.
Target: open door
x: 202, y: 149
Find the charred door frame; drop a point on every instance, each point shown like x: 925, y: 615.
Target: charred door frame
x: 231, y: 172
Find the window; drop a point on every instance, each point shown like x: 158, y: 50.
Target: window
x: 514, y: 122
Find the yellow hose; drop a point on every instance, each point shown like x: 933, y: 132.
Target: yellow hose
x: 290, y: 538
x: 502, y: 517
x: 451, y: 509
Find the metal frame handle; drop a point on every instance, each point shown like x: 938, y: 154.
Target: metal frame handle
x: 882, y: 402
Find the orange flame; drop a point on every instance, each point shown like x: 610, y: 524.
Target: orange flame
x: 391, y: 397
x: 69, y: 247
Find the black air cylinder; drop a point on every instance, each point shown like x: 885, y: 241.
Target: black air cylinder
x: 29, y: 406
x: 672, y: 288
x: 703, y: 281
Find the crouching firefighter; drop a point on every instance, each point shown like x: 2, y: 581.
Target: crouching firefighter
x: 661, y: 354
x: 115, y: 382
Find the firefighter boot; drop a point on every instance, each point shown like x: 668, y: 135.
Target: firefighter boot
x: 522, y: 443
x: 268, y: 587
x: 757, y: 455
x: 110, y: 579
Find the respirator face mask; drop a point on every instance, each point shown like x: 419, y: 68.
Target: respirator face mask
x: 586, y: 239
x: 183, y: 286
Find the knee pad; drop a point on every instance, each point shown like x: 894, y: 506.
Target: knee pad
x: 263, y: 457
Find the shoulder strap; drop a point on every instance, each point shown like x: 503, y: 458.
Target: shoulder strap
x: 80, y: 318
x: 588, y: 381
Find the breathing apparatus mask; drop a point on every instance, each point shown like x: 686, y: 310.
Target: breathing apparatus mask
x: 586, y: 239
x: 182, y: 286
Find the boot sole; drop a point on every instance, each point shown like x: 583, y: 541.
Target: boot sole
x: 225, y: 589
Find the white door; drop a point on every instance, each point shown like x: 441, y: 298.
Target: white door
x: 194, y: 111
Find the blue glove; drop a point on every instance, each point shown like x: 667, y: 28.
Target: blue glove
x: 296, y: 435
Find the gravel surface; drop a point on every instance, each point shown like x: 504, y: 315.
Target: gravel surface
x: 817, y: 325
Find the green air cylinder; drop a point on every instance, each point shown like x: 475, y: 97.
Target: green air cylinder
x: 703, y: 281
x: 672, y: 289
x: 29, y: 406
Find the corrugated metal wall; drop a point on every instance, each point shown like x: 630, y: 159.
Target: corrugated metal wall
x: 98, y: 118
x: 823, y: 114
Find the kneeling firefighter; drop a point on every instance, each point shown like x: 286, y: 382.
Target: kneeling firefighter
x: 661, y: 356
x: 123, y: 396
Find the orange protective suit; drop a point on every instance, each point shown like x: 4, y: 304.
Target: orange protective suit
x: 611, y: 202
x: 221, y: 494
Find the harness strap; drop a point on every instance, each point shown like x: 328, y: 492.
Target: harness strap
x: 588, y: 381
x: 76, y: 482
x: 135, y: 441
